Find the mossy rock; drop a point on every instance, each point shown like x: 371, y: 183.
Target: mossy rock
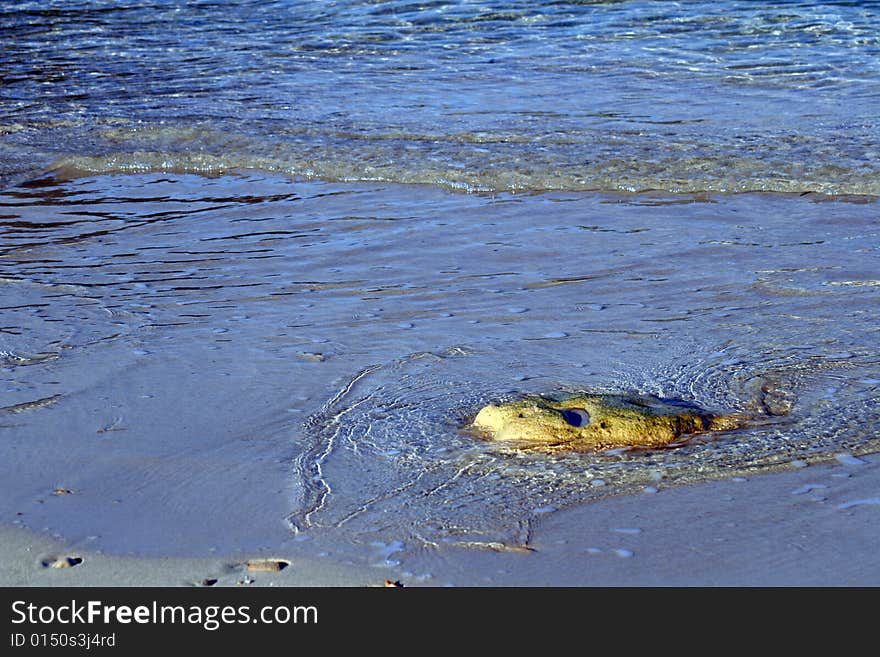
x: 597, y: 422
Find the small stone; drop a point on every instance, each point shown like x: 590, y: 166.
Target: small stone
x: 62, y: 562
x: 266, y: 565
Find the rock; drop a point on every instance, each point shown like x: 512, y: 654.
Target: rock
x: 597, y: 422
x: 62, y: 562
x: 266, y: 565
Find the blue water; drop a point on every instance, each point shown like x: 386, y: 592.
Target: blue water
x: 694, y: 96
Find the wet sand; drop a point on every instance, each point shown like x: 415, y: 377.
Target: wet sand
x: 809, y: 526
x: 260, y: 268
x: 242, y: 367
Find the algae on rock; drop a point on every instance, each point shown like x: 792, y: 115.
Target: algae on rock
x: 597, y: 422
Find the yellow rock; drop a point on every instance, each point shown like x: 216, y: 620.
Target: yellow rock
x: 597, y: 422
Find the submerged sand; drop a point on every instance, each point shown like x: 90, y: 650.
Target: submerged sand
x: 248, y: 367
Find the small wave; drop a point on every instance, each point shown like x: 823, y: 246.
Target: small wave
x: 674, y: 175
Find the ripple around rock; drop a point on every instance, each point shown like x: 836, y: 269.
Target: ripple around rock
x: 400, y: 431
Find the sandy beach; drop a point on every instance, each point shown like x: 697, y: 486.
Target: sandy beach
x: 163, y: 407
x: 262, y: 268
x: 809, y: 526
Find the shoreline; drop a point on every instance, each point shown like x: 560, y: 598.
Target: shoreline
x: 182, y: 386
x: 811, y: 526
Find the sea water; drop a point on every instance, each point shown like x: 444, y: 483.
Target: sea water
x: 262, y: 262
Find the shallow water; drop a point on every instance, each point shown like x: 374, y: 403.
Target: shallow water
x: 697, y: 96
x: 352, y: 331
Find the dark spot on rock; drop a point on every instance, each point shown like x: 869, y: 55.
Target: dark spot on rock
x: 576, y: 417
